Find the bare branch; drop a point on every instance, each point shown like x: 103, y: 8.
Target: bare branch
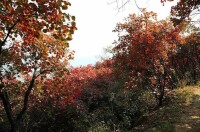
x: 119, y: 5
x: 137, y: 6
x: 123, y: 4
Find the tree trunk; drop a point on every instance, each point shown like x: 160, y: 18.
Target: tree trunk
x: 13, y: 128
x: 160, y: 101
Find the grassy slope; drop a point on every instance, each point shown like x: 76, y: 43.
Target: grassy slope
x: 182, y: 114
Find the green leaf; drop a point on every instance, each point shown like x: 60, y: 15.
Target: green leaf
x: 73, y: 18
x: 45, y: 30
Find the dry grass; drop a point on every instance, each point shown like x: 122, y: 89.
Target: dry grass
x: 182, y: 114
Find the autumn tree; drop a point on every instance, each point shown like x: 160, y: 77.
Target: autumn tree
x: 187, y: 60
x: 143, y: 50
x: 82, y: 89
x: 185, y: 10
x: 33, y: 41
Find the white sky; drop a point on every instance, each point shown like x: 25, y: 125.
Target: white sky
x: 95, y: 21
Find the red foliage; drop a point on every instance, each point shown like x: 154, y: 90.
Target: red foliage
x: 187, y: 60
x: 65, y: 89
x: 143, y: 51
x: 184, y: 10
x: 146, y: 42
x: 33, y: 41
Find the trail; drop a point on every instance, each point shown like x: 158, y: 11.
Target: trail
x: 190, y: 115
x: 180, y: 115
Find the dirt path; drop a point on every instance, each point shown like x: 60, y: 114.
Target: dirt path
x: 190, y: 114
x: 180, y: 115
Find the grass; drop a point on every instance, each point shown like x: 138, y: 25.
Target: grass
x: 181, y: 114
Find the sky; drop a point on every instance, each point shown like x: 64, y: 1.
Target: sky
x: 96, y: 19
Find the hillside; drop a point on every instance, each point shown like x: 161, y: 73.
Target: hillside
x: 182, y: 114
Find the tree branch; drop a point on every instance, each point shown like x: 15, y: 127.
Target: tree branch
x: 123, y: 4
x: 26, y: 96
x: 42, y: 72
x: 7, y: 107
x: 9, y: 32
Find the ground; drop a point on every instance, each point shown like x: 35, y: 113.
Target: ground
x: 182, y: 114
